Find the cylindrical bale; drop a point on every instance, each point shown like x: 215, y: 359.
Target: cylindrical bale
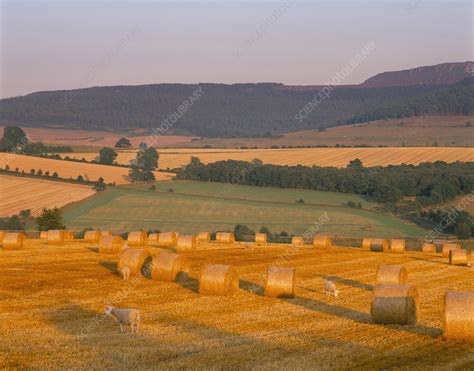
x: 203, y: 236
x: 397, y: 246
x: 105, y: 233
x: 391, y: 274
x: 378, y: 244
x: 2, y: 235
x: 186, y: 244
x: 280, y: 282
x: 458, y: 316
x: 168, y: 239
x: 225, y: 237
x: 261, y: 238
x: 134, y: 259
x: 322, y: 241
x: 170, y: 267
x: 297, y: 241
x: 366, y: 243
x: 428, y: 247
x: 137, y: 238
x: 13, y: 241
x: 110, y: 244
x: 44, y: 235
x: 153, y: 239
x: 92, y: 236
x: 397, y: 304
x: 458, y: 257
x: 218, y: 280
x: 447, y: 247
x: 56, y: 237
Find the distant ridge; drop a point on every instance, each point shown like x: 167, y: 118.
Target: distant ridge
x: 245, y: 110
x: 445, y: 73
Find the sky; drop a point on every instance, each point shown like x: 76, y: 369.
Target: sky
x: 49, y: 45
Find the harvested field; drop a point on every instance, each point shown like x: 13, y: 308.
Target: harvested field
x: 338, y: 157
x: 19, y: 193
x: 67, y: 169
x: 96, y: 138
x: 53, y: 297
x: 447, y: 131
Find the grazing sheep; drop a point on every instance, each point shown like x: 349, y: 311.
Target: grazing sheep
x: 125, y: 273
x: 125, y: 317
x: 330, y: 289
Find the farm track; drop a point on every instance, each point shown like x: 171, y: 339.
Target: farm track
x: 52, y: 294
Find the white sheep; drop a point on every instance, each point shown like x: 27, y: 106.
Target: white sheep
x: 125, y: 273
x: 330, y: 289
x: 125, y: 317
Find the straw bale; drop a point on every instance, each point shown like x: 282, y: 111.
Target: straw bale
x: 225, y: 237
x: 13, y: 241
x: 458, y: 318
x: 447, y: 247
x: 186, y: 244
x: 397, y: 246
x: 322, y: 241
x: 280, y: 282
x: 56, y: 237
x: 428, y: 247
x: 297, y: 241
x: 458, y: 257
x: 92, y: 236
x: 261, y: 238
x: 170, y: 267
x: 110, y: 244
x: 203, y: 236
x: 137, y: 238
x: 391, y: 274
x: 218, y: 280
x: 378, y: 244
x: 134, y: 259
x: 394, y: 304
x: 168, y: 239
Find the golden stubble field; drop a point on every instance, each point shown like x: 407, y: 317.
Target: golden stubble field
x: 52, y: 299
x: 67, y: 169
x: 338, y: 157
x: 18, y: 193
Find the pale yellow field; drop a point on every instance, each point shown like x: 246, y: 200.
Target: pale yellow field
x: 67, y: 169
x: 53, y: 297
x: 17, y: 193
x: 338, y: 157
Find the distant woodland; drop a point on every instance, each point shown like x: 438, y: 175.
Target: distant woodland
x: 240, y: 110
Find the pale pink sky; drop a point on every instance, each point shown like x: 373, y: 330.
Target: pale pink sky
x: 64, y: 45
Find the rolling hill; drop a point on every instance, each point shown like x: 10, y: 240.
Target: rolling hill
x: 238, y: 110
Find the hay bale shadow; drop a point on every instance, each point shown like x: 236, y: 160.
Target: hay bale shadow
x: 146, y: 268
x: 252, y: 287
x: 190, y: 283
x: 111, y: 266
x: 361, y: 317
x: 93, y: 249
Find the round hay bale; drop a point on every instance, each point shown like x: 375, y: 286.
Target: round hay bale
x: 138, y: 238
x: 203, y: 236
x: 428, y: 247
x: 458, y: 257
x: 13, y: 241
x: 92, y: 236
x: 2, y: 235
x: 297, y: 241
x: 218, y: 280
x: 366, y: 243
x: 56, y: 237
x: 169, y: 239
x: 106, y: 233
x: 394, y: 304
x: 43, y: 235
x: 379, y: 245
x: 110, y: 244
x: 170, y: 267
x: 153, y: 238
x: 397, y: 246
x: 391, y: 275
x: 447, y: 247
x: 225, y: 237
x: 281, y: 282
x: 458, y: 318
x: 134, y: 259
x: 322, y: 241
x: 186, y: 244
x: 261, y: 238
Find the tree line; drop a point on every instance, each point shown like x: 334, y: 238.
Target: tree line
x: 428, y: 183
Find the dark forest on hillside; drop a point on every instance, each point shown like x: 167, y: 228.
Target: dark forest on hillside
x: 240, y: 110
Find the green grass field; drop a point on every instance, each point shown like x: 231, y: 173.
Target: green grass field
x: 195, y: 206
